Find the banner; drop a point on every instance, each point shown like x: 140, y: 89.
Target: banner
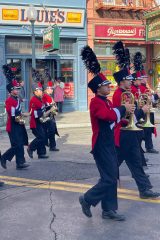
x: 65, y: 17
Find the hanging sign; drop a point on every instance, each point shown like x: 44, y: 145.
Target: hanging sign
x: 51, y: 39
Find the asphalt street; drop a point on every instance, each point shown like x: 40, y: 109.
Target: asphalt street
x: 41, y: 203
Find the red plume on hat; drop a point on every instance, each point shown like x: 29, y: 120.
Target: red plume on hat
x: 10, y: 75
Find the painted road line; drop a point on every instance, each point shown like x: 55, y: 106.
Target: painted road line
x: 78, y: 190
x: 68, y: 184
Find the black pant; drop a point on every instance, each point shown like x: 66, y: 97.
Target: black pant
x: 130, y: 152
x: 17, y: 150
x: 140, y: 136
x: 59, y: 105
x: 39, y: 142
x: 50, y: 131
x: 106, y: 189
x: 148, y: 138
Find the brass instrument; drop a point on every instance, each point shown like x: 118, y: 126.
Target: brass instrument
x: 19, y: 119
x: 44, y: 119
x: 144, y: 99
x: 128, y: 96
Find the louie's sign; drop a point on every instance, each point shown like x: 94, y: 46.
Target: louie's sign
x: 119, y: 32
x: 65, y: 17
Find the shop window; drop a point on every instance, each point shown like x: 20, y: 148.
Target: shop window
x: 103, y: 49
x: 108, y: 67
x: 67, y: 78
x: 24, y: 46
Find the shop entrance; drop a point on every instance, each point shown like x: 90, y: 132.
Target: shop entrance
x: 40, y: 65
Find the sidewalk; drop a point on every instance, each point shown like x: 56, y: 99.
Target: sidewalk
x: 68, y: 120
x: 76, y: 120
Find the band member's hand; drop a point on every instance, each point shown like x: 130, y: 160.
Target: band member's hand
x: 145, y: 108
x: 130, y: 108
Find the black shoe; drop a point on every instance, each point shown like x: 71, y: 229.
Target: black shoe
x: 54, y: 149
x: 42, y: 156
x: 30, y: 152
x: 22, y: 166
x: 113, y: 215
x: 149, y: 194
x: 1, y: 184
x: 152, y: 151
x: 3, y: 162
x: 85, y: 207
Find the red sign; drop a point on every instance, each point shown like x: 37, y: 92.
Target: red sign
x: 120, y: 32
x: 69, y: 90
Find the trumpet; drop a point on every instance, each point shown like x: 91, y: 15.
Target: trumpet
x: 144, y: 99
x: 131, y: 126
x: 19, y: 119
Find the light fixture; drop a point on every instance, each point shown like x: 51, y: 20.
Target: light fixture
x: 32, y: 13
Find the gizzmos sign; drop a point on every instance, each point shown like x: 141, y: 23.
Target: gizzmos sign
x: 153, y: 26
x: 65, y: 17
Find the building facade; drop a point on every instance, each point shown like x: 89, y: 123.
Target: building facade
x: 112, y: 20
x: 16, y: 45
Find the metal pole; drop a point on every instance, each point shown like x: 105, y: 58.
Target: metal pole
x: 33, y: 46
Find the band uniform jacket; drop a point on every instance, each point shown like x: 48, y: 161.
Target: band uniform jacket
x: 36, y: 109
x: 49, y: 102
x: 103, y: 117
x: 135, y: 90
x: 16, y: 131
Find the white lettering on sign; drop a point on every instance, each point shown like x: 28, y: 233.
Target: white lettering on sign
x: 121, y: 32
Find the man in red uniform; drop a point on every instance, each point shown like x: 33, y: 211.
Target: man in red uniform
x: 50, y: 125
x: 127, y: 142
x: 103, y: 117
x: 37, y: 111
x: 15, y: 123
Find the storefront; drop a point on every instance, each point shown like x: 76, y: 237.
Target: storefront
x: 105, y: 36
x: 109, y: 22
x: 16, y: 46
x: 153, y: 37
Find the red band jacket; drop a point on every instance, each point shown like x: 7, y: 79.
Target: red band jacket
x: 101, y: 110
x: 135, y: 90
x: 13, y: 108
x: 36, y: 109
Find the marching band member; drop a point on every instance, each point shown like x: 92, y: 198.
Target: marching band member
x: 127, y: 142
x: 37, y: 111
x: 15, y: 125
x: 50, y: 125
x: 103, y: 116
x: 148, y: 131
